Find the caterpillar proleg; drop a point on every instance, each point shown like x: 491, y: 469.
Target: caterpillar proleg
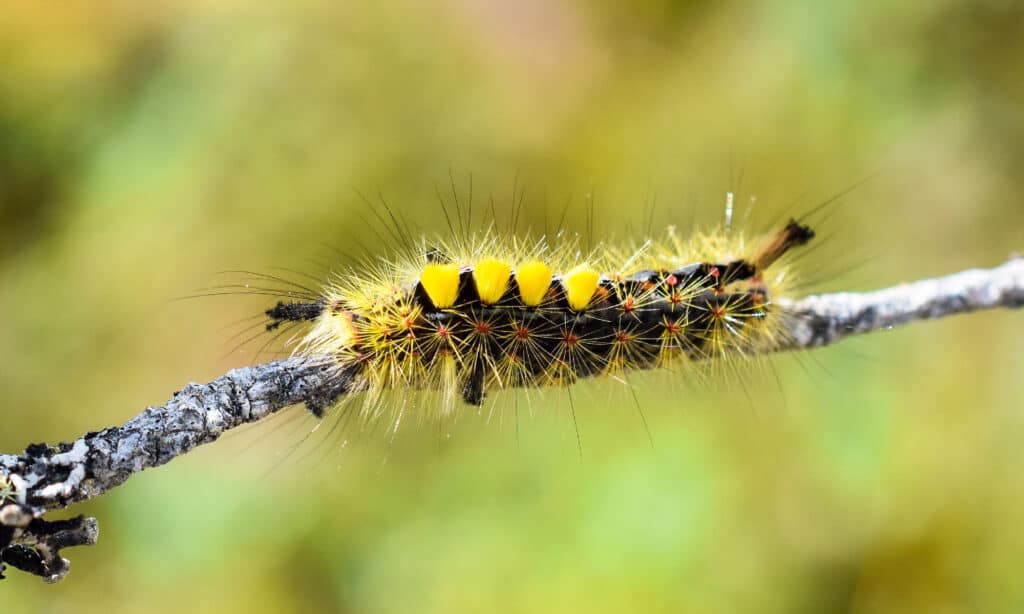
x: 489, y: 313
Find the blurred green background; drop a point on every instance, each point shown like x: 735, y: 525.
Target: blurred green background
x: 145, y: 147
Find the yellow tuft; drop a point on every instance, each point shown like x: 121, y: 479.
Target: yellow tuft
x: 534, y: 279
x: 580, y: 285
x: 441, y: 283
x: 491, y: 277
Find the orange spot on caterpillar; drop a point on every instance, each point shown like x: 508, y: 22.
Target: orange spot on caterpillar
x: 672, y: 328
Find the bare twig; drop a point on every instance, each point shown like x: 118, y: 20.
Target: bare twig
x: 47, y: 477
x: 51, y: 477
x: 827, y: 318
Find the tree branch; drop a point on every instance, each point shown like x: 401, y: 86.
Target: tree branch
x: 820, y: 320
x: 52, y: 477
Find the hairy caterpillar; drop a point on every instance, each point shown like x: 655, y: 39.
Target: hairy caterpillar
x: 489, y: 312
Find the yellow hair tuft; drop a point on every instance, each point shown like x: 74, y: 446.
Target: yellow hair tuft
x: 580, y: 285
x: 441, y: 283
x: 491, y: 277
x: 534, y: 279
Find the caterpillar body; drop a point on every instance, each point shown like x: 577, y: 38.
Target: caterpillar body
x: 476, y: 316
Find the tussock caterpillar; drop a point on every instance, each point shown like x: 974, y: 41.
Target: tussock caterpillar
x: 476, y: 313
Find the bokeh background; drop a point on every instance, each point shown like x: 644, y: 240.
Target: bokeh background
x: 146, y: 147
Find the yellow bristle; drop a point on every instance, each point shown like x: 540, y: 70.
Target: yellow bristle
x: 534, y: 279
x: 580, y: 285
x: 441, y: 283
x: 491, y: 277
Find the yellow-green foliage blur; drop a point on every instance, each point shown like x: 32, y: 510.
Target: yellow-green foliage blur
x: 147, y: 147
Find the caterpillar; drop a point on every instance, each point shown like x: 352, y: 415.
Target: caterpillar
x: 489, y: 312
